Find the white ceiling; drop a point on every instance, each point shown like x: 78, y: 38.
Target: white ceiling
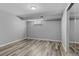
x: 49, y: 10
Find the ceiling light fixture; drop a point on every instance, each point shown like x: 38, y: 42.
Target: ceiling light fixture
x: 33, y: 8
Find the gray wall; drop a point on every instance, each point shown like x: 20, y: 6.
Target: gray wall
x: 11, y: 28
x: 48, y: 30
x: 74, y: 31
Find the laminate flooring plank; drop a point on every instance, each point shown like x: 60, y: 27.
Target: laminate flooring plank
x: 30, y: 47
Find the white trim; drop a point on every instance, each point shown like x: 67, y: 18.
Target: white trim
x: 27, y: 38
x: 67, y: 7
x: 73, y: 42
x: 2, y: 45
x: 43, y: 39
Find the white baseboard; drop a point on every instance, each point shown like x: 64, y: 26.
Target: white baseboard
x: 43, y: 39
x: 74, y: 42
x: 10, y: 42
x: 28, y: 38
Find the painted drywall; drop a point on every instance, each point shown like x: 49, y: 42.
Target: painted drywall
x: 74, y: 31
x: 49, y: 30
x: 11, y: 28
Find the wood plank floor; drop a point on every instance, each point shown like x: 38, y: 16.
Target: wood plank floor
x: 31, y: 47
x: 74, y: 49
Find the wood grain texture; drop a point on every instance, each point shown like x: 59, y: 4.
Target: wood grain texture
x: 74, y: 49
x: 31, y: 47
